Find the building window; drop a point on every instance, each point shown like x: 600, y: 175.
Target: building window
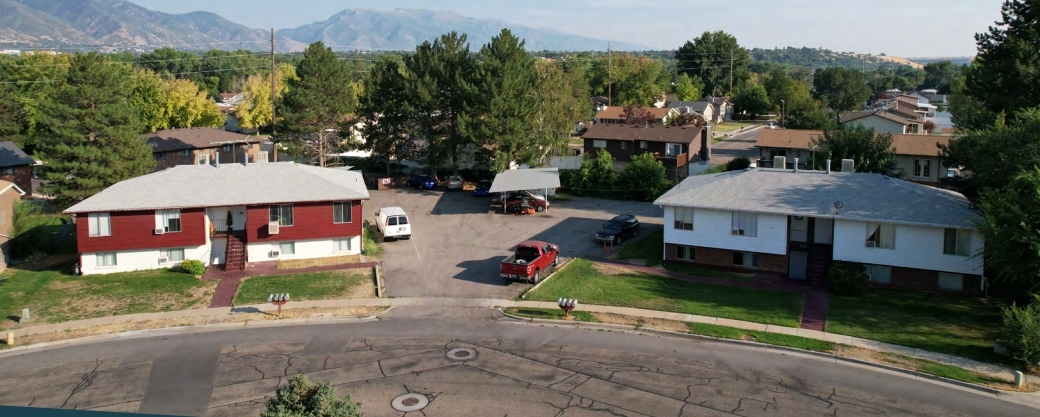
x: 684, y: 218
x: 923, y: 168
x: 281, y: 213
x: 624, y: 145
x: 262, y: 156
x: 957, y: 242
x: 203, y: 159
x: 185, y: 153
x: 673, y: 149
x: 99, y: 224
x: 745, y: 224
x: 8, y: 171
x: 642, y: 144
x: 341, y: 212
x: 106, y: 259
x: 597, y: 143
x: 745, y: 259
x: 172, y: 255
x: 881, y: 235
x: 952, y: 282
x: 685, y: 253
x: 287, y: 248
x: 879, y: 274
x: 160, y: 155
x: 226, y: 148
x: 169, y: 220
x: 341, y: 245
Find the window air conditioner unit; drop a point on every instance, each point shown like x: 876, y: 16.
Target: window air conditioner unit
x: 163, y: 260
x: 739, y: 232
x: 272, y: 228
x: 871, y: 244
x: 276, y: 253
x: 160, y: 231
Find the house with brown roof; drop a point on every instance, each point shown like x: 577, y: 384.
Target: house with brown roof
x: 883, y: 121
x: 616, y: 115
x: 16, y: 166
x: 675, y: 146
x: 203, y: 146
x: 916, y: 155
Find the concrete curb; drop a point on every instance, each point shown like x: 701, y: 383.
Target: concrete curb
x: 666, y: 333
x: 560, y: 267
x: 202, y: 328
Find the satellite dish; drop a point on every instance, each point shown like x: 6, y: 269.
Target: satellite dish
x: 838, y: 205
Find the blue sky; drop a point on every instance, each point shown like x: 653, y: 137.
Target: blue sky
x: 896, y: 27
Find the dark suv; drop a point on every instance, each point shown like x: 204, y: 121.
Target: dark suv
x: 618, y: 229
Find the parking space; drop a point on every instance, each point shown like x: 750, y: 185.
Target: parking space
x: 458, y: 240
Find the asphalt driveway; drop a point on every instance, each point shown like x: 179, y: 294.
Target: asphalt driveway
x: 458, y: 240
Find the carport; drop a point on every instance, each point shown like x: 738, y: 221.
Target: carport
x: 526, y: 179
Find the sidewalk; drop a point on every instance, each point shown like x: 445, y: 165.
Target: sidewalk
x: 980, y: 367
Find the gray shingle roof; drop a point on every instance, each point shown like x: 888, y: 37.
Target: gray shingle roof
x: 526, y: 179
x: 865, y: 197
x: 187, y: 186
x: 12, y: 156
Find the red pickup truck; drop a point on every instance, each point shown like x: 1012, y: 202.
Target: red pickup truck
x: 530, y: 260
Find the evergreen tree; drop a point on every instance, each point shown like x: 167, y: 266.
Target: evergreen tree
x: 316, y: 103
x: 385, y: 110
x: 88, y: 132
x: 508, y: 82
x: 1005, y: 75
x: 303, y: 398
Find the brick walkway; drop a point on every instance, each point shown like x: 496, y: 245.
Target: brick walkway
x: 814, y: 310
x: 230, y: 280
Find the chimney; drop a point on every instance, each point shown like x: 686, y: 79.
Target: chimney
x: 796, y: 165
x: 216, y: 158
x: 828, y: 167
x: 780, y: 162
x: 848, y: 165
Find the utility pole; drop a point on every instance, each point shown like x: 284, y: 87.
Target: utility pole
x: 610, y: 85
x: 274, y: 150
x: 731, y: 59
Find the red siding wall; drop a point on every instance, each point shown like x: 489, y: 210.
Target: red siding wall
x: 136, y: 230
x: 310, y: 221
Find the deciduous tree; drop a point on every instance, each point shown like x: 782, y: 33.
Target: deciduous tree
x: 841, y: 89
x: 317, y: 102
x: 716, y: 58
x: 871, y: 152
x: 688, y: 88
x: 187, y: 106
x: 644, y: 178
x: 632, y: 79
x: 254, y: 110
x: 941, y: 75
x: 561, y: 100
x: 303, y: 398
x: 752, y: 100
x: 996, y: 155
x: 685, y: 119
x: 88, y: 134
x: 636, y: 114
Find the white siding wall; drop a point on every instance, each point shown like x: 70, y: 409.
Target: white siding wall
x: 712, y: 229
x: 916, y: 247
x: 880, y: 125
x: 139, y: 260
x: 305, y: 249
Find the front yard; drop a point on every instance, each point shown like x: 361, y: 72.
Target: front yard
x: 608, y: 285
x: 351, y: 283
x: 732, y: 126
x: 53, y: 295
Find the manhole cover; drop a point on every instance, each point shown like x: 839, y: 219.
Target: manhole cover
x: 461, y: 354
x: 410, y: 402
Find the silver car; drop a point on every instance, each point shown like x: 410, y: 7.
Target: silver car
x: 454, y: 182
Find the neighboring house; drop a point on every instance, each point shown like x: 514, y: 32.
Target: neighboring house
x: 203, y: 146
x: 675, y: 146
x: 10, y: 194
x: 600, y: 103
x: 916, y: 155
x: 723, y: 109
x: 230, y: 100
x: 702, y: 107
x: 16, y: 166
x: 616, y: 115
x: 892, y: 93
x: 883, y: 122
x: 796, y: 223
x: 933, y: 97
x: 277, y: 211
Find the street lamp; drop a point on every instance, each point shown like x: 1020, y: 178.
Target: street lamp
x: 567, y: 305
x: 783, y: 113
x: 278, y: 300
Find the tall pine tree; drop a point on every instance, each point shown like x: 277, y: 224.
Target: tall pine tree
x: 385, y: 110
x: 317, y: 102
x: 508, y: 82
x: 88, y: 132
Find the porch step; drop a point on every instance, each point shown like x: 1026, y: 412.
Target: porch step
x: 236, y: 259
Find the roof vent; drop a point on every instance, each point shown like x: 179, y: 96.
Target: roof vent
x: 796, y: 165
x: 828, y: 167
x: 848, y: 165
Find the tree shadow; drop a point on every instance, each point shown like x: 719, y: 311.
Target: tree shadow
x: 462, y: 202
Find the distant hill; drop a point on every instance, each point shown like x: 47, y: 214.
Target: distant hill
x: 120, y: 24
x: 961, y: 60
x: 28, y: 24
x: 820, y: 58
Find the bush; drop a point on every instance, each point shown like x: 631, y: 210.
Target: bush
x: 738, y: 164
x: 643, y: 179
x: 369, y: 247
x: 193, y: 267
x: 847, y: 278
x: 38, y: 233
x: 303, y: 398
x: 1020, y: 333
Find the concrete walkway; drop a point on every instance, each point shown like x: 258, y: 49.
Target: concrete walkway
x: 984, y: 368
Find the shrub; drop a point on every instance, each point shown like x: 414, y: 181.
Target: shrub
x: 36, y: 232
x: 847, y: 278
x: 193, y: 267
x: 738, y: 164
x: 369, y: 247
x: 303, y: 398
x: 1020, y: 333
x: 644, y: 178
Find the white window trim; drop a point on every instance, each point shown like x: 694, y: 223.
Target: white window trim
x: 168, y: 254
x: 624, y: 145
x: 668, y: 149
x: 744, y: 224
x: 98, y: 256
x: 599, y: 143
x: 642, y: 144
x: 292, y: 214
x: 94, y: 224
x: 349, y: 211
x: 163, y: 217
x: 336, y: 245
x: 881, y: 228
x: 682, y: 214
x: 919, y: 165
x: 282, y: 252
x: 689, y: 253
x: 957, y: 242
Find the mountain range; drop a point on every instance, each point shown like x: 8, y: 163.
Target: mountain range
x: 119, y: 24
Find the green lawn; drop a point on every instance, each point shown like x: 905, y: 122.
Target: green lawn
x: 731, y: 126
x: 955, y: 325
x: 550, y: 314
x: 581, y: 281
x: 798, y: 342
x: 649, y: 247
x: 52, y: 295
x: 302, y: 287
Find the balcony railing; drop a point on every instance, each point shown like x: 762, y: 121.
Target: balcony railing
x: 799, y: 236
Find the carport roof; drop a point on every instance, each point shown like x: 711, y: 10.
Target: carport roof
x: 526, y: 179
